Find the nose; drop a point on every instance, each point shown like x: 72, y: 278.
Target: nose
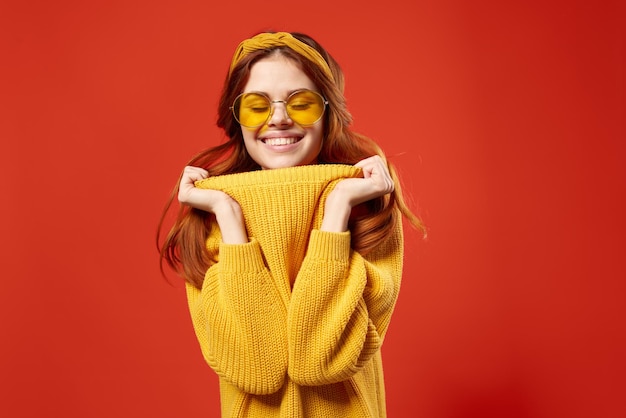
x: 279, y: 115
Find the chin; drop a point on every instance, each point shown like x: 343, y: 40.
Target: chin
x: 270, y: 165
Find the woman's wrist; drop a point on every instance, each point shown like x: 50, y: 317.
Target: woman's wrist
x: 336, y: 213
x: 229, y: 218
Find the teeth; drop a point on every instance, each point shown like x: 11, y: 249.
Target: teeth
x: 281, y: 141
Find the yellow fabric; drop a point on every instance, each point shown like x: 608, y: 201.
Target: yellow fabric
x: 293, y: 321
x: 270, y: 40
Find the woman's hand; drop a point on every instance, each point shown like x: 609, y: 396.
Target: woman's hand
x: 226, y: 209
x: 376, y: 182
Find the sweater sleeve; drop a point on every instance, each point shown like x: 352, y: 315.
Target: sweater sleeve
x: 235, y: 316
x: 341, y: 306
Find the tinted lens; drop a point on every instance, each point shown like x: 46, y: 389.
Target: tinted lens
x: 305, y: 107
x: 251, y: 109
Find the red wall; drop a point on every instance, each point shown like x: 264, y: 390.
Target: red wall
x: 505, y: 118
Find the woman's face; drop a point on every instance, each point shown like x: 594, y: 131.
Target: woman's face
x: 281, y: 142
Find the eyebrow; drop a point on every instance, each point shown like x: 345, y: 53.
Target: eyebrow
x: 289, y: 93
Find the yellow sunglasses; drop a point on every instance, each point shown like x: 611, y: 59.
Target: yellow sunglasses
x: 304, y: 107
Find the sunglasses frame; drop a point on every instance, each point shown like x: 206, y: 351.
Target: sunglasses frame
x: 285, y: 102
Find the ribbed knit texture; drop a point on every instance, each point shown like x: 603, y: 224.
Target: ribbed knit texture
x: 293, y: 320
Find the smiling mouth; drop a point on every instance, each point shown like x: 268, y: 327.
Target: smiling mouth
x: 280, y: 141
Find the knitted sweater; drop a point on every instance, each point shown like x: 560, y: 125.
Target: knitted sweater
x: 293, y: 321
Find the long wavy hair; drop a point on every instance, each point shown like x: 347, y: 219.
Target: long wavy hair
x: 184, y: 246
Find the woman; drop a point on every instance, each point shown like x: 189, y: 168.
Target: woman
x: 290, y: 240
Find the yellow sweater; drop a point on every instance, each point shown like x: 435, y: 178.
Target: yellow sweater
x: 293, y: 321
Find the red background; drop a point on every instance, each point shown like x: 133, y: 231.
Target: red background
x: 506, y: 120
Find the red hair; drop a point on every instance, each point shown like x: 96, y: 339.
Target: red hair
x: 184, y: 246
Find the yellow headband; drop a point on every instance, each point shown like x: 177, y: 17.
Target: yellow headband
x: 268, y: 40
